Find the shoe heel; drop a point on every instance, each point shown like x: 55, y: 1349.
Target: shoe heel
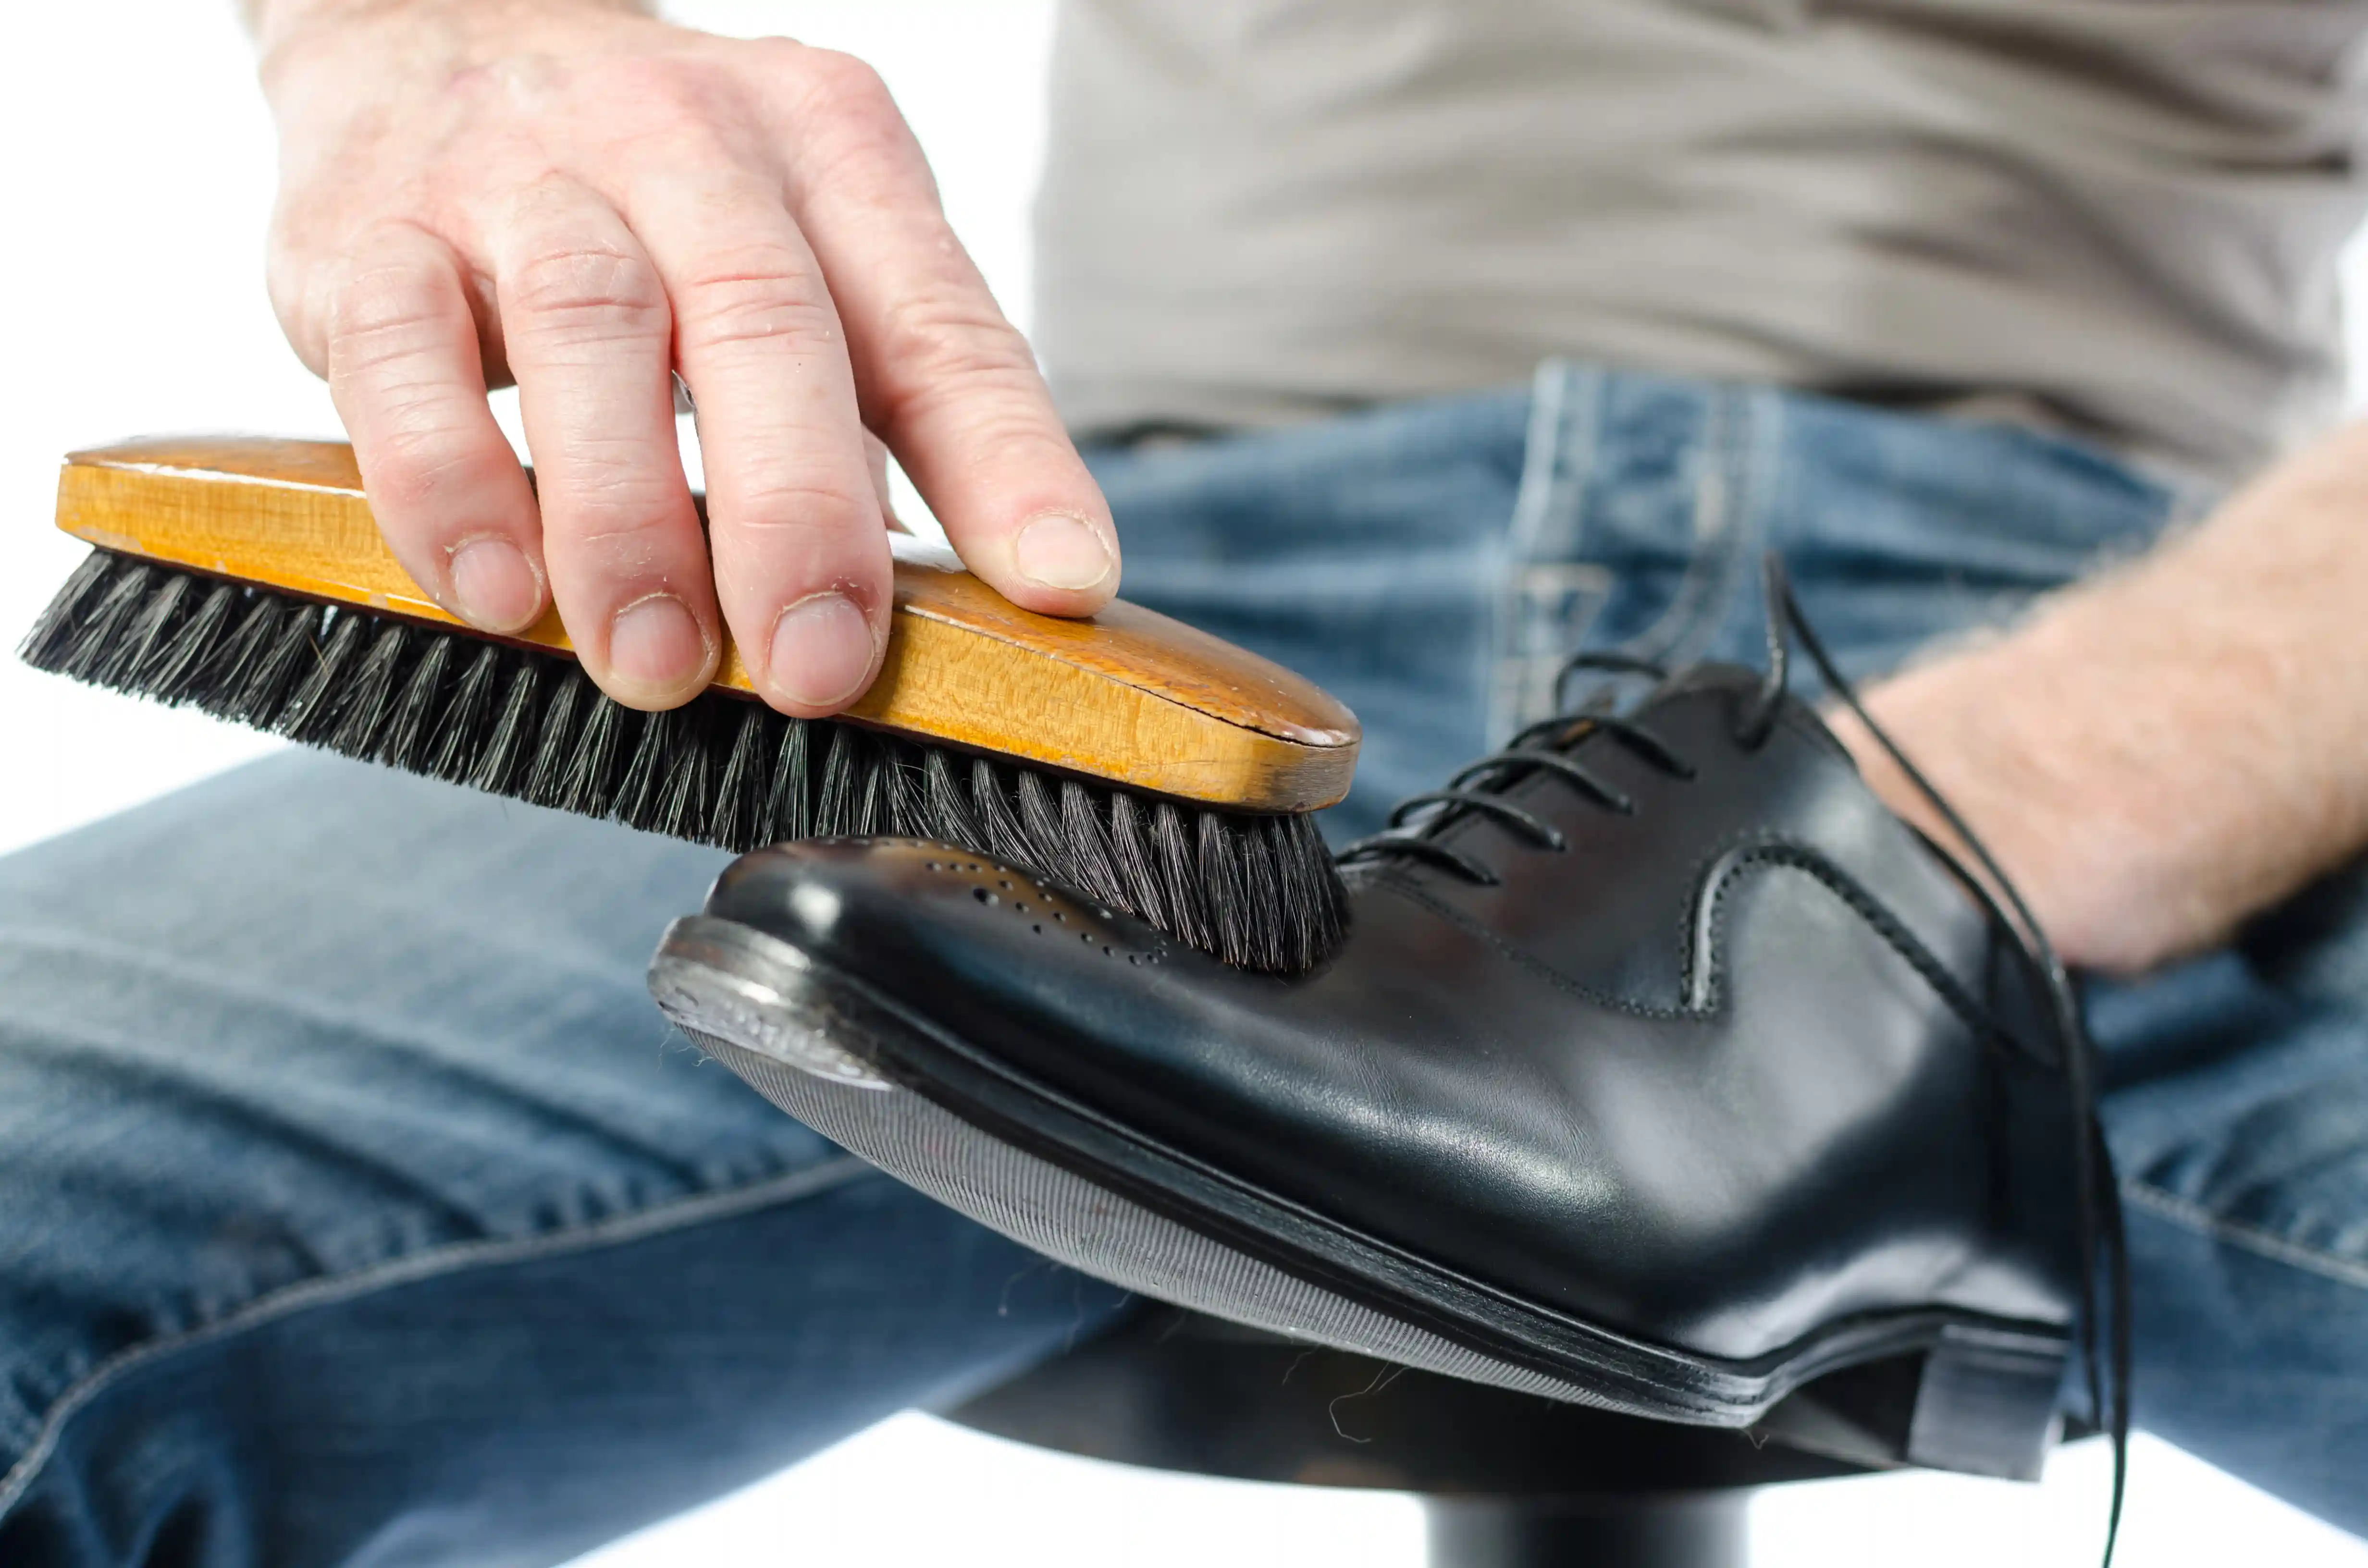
x: 1986, y: 1402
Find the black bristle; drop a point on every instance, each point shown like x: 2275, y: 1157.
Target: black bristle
x: 377, y: 684
x: 1179, y: 882
x: 147, y: 636
x: 404, y: 739
x: 1093, y: 865
x: 1314, y: 901
x: 788, y: 813
x: 95, y: 647
x: 1218, y: 856
x: 554, y: 746
x: 61, y: 625
x: 870, y: 785
x: 1259, y: 892
x: 221, y: 685
x: 746, y: 784
x: 904, y: 793
x: 949, y: 804
x: 174, y: 675
x: 1260, y: 887
x: 638, y: 792
x: 279, y: 665
x: 1132, y: 857
x: 509, y: 751
x: 841, y: 805
x: 603, y: 745
x: 1039, y: 821
x: 685, y: 801
x: 311, y: 714
x: 1006, y: 837
x: 461, y: 727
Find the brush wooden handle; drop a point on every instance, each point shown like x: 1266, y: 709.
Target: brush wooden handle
x: 1128, y: 694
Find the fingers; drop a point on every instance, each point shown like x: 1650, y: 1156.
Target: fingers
x: 406, y: 371
x: 801, y: 301
x: 875, y: 459
x: 942, y: 376
x: 588, y: 334
x: 802, y: 565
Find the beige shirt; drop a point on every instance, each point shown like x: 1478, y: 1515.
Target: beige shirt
x: 2120, y: 217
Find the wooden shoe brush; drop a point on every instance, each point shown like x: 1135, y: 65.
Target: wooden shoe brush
x: 1153, y: 767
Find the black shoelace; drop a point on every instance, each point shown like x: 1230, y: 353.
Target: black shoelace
x: 1414, y: 833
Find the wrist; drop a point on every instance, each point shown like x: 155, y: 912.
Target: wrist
x: 2056, y: 807
x: 2108, y: 764
x: 275, y: 23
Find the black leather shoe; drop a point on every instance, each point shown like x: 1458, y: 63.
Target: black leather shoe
x: 1664, y: 1069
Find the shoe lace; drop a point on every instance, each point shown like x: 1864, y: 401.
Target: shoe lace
x: 1416, y: 823
x: 1413, y: 831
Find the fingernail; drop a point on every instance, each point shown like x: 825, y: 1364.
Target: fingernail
x: 1058, y: 550
x: 821, y: 650
x: 494, y: 586
x: 654, y: 646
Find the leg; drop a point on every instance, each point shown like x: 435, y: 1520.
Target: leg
x: 2238, y: 1113
x: 359, y: 1207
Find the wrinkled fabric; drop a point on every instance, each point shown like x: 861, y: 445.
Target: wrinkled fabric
x: 2115, y: 217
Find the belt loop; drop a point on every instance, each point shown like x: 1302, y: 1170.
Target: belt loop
x: 1547, y: 591
x: 1725, y: 525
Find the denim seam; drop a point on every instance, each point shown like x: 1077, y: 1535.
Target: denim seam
x: 433, y: 1264
x: 1541, y: 464
x: 2247, y: 1238
x: 1714, y: 537
x: 1552, y: 464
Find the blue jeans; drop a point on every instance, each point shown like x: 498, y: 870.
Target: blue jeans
x: 356, y: 1208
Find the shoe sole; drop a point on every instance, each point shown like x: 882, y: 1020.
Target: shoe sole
x: 886, y: 1083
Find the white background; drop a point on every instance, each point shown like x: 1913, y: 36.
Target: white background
x: 135, y: 174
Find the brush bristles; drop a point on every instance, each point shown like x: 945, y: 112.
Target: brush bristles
x: 1259, y: 892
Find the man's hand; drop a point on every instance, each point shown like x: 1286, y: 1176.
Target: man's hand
x: 573, y: 195
x: 2159, y: 754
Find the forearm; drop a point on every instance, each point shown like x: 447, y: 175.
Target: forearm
x: 2158, y: 753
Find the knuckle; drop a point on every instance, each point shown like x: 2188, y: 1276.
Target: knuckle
x: 416, y: 465
x: 841, y: 86
x: 588, y: 289
x: 782, y: 53
x: 626, y: 536
x: 940, y: 349
x: 384, y: 318
x: 618, y: 529
x: 616, y: 484
x: 943, y: 336
x: 386, y: 301
x: 754, y: 294
x: 301, y: 303
x: 790, y: 508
